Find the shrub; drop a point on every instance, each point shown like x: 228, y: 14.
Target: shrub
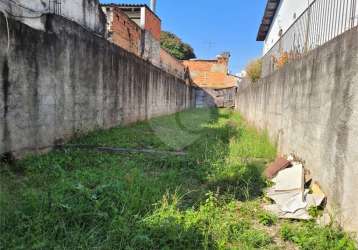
x: 254, y: 69
x: 267, y: 219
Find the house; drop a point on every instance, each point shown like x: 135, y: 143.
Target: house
x: 31, y: 12
x: 278, y: 17
x: 136, y: 28
x: 212, y: 79
x: 290, y: 28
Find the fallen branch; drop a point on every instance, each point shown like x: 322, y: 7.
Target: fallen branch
x: 122, y: 150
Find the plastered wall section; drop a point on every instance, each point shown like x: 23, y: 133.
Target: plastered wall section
x: 310, y: 108
x: 66, y: 80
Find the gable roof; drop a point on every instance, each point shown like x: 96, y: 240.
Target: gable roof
x: 269, y: 14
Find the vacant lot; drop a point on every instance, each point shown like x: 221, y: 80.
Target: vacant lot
x: 209, y: 198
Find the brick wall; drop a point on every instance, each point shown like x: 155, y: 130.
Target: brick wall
x: 211, y: 73
x: 123, y: 31
x: 152, y: 24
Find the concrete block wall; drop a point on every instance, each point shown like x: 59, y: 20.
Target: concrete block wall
x: 151, y: 48
x: 67, y: 80
x: 87, y: 13
x: 310, y: 108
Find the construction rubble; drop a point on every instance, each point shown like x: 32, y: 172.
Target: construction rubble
x: 293, y: 192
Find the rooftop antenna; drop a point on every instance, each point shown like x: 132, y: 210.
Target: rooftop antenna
x: 153, y: 5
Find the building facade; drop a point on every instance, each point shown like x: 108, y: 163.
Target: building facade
x: 126, y: 23
x: 122, y: 30
x: 291, y: 28
x: 278, y: 17
x: 137, y: 29
x: 215, y: 86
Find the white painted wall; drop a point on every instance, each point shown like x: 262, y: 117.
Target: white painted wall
x: 284, y: 18
x: 289, y: 10
x: 85, y: 12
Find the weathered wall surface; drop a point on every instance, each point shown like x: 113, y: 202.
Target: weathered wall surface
x: 171, y: 64
x: 87, y: 13
x: 152, y: 23
x: 150, y: 48
x: 311, y: 108
x: 65, y: 80
x: 122, y: 30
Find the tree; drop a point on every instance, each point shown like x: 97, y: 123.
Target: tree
x: 253, y: 70
x: 175, y: 46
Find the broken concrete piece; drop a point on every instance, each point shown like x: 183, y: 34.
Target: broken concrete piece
x: 279, y: 164
x: 290, y: 179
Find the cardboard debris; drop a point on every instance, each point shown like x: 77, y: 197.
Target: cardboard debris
x: 291, y: 199
x: 279, y: 164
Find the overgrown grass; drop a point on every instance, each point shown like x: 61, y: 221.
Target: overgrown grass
x: 208, y: 199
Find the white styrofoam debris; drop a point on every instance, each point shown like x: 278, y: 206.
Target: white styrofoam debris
x: 290, y: 179
x: 300, y: 214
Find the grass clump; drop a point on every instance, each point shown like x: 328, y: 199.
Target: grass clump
x: 308, y: 235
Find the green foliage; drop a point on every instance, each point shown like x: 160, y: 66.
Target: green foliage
x: 315, y: 211
x: 309, y: 236
x: 254, y: 69
x: 175, y: 46
x: 267, y: 219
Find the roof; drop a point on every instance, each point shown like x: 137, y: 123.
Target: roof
x: 270, y: 12
x: 202, y: 60
x: 126, y: 5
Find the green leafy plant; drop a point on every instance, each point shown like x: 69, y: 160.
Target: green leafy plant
x: 267, y: 219
x: 175, y: 46
x: 315, y: 211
